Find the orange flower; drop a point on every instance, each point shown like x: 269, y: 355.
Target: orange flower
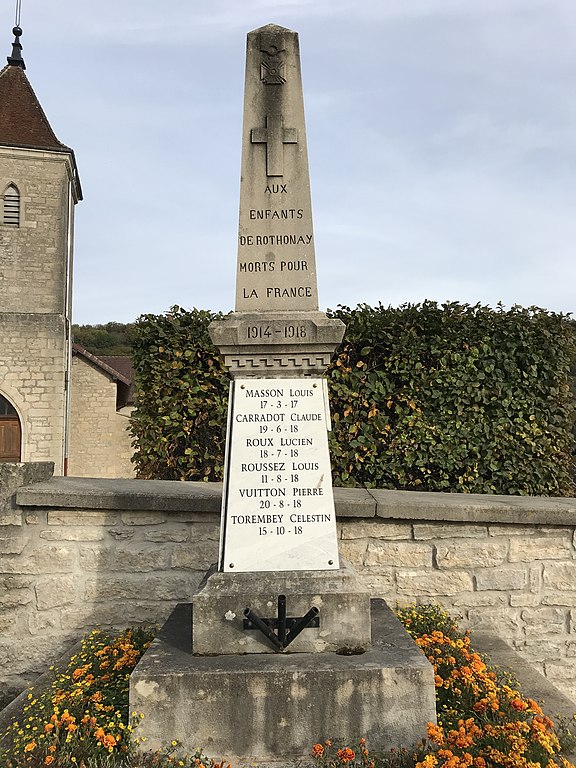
x: 49, y: 727
x: 48, y: 760
x: 479, y: 762
x: 518, y: 705
x: 109, y: 741
x: 345, y: 755
x: 30, y: 746
x: 317, y: 750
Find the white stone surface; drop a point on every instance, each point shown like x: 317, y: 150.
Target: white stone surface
x: 278, y: 508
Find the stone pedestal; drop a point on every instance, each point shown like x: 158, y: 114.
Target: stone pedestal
x: 343, y: 605
x: 256, y: 709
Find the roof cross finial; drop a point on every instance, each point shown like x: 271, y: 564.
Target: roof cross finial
x: 16, y: 59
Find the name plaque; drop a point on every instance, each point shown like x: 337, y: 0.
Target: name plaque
x: 278, y: 506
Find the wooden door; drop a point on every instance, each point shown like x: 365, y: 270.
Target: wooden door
x: 10, y: 432
x: 10, y: 437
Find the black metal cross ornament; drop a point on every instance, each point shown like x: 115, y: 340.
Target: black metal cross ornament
x: 287, y: 628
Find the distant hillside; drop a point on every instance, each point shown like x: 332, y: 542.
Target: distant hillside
x: 108, y: 339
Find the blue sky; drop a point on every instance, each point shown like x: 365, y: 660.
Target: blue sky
x: 441, y: 140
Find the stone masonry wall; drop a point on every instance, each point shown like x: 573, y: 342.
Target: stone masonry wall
x: 34, y: 285
x: 100, y: 442
x: 32, y: 377
x: 33, y: 256
x: 78, y: 553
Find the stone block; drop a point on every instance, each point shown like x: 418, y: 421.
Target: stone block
x: 269, y: 708
x: 81, y: 517
x: 425, y: 531
x: 510, y: 530
x: 432, y: 583
x: 555, y: 671
x: 12, y: 545
x: 546, y: 620
x: 141, y: 588
x: 506, y: 578
x: 143, y: 518
x: 55, y: 591
x: 353, y: 551
x: 380, y: 583
x: 399, y: 553
x: 341, y: 599
x: 505, y: 622
x: 524, y: 600
x: 167, y: 534
x: 121, y: 534
x: 39, y: 623
x: 567, y: 599
x: 476, y: 599
x: 90, y: 533
x: 471, y: 554
x: 540, y: 649
x: 8, y: 619
x: 560, y: 576
x: 123, y: 558
x: 539, y: 548
x: 196, y: 556
x: 11, y: 518
x: 41, y: 560
x: 375, y: 529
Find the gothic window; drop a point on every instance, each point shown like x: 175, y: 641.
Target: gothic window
x: 7, y: 409
x: 12, y: 206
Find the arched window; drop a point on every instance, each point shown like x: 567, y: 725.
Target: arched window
x: 10, y: 432
x: 12, y: 206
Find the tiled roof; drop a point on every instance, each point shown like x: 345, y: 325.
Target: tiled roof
x: 120, y: 363
x: 78, y: 349
x: 22, y: 119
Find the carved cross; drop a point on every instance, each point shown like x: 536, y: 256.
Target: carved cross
x: 274, y: 136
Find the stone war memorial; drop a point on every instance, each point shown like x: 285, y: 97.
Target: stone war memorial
x: 281, y: 646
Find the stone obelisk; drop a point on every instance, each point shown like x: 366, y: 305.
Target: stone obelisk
x: 278, y: 510
x: 278, y: 660
x: 276, y: 329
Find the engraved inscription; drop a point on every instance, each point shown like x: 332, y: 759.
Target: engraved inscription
x: 275, y: 239
x: 283, y: 213
x: 276, y: 331
x: 274, y: 136
x: 279, y: 485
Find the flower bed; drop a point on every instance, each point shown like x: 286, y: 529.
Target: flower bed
x: 483, y: 720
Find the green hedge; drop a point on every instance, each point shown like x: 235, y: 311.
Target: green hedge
x: 424, y: 397
x: 182, y: 397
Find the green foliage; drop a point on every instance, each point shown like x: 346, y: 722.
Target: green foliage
x: 454, y: 398
x: 425, y: 397
x: 109, y: 339
x: 182, y: 397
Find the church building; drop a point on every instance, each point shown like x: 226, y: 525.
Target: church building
x: 39, y: 188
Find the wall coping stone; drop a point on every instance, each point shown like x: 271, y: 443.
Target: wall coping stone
x: 177, y: 496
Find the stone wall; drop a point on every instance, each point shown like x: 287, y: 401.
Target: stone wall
x: 33, y: 354
x: 79, y: 553
x: 100, y: 442
x: 35, y: 278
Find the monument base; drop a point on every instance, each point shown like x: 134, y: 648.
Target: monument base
x: 343, y: 603
x: 271, y: 708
